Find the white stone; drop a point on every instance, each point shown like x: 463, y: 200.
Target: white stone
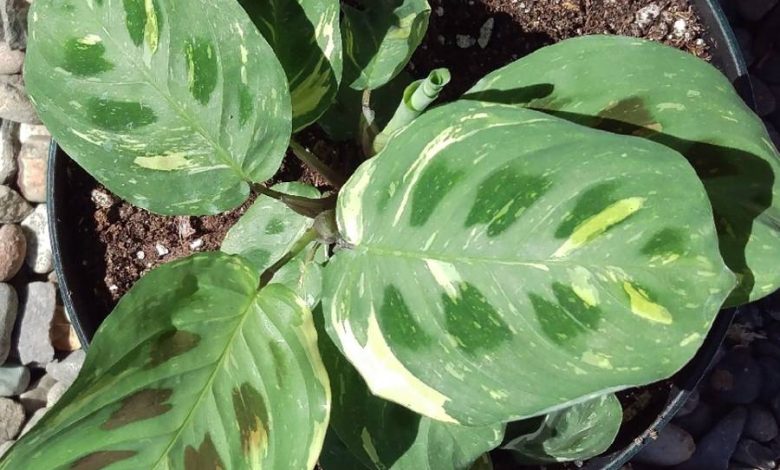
x: 35, y: 398
x: 33, y: 420
x: 11, y: 61
x: 9, y: 147
x: 33, y: 162
x: 14, y: 379
x: 11, y: 419
x: 15, y: 105
x: 13, y: 207
x: 67, y: 370
x: 36, y: 230
x: 34, y: 345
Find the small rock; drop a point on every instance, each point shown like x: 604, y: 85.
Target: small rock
x: 690, y: 404
x: 35, y: 398
x: 13, y: 248
x: 15, y: 105
x: 737, y: 378
x: 13, y: 207
x: 11, y: 419
x: 33, y: 162
x: 4, y: 446
x: 28, y: 131
x: 11, y: 61
x: 768, y: 68
x: 753, y: 454
x: 196, y: 244
x: 754, y: 10
x: 679, y: 28
x: 63, y: 335
x: 161, y: 249
x: 673, y: 446
x: 647, y: 15
x: 14, y: 380
x: 56, y: 392
x: 68, y: 369
x: 14, y: 16
x: 36, y: 230
x: 697, y: 422
x: 9, y: 308
x: 485, y: 33
x: 464, y: 41
x: 770, y: 368
x: 9, y: 148
x: 714, y: 449
x: 101, y: 198
x: 766, y: 103
x: 40, y: 413
x: 36, y: 315
x: 761, y: 424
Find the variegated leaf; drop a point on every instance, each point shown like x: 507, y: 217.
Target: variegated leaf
x: 195, y: 368
x: 173, y: 105
x: 336, y: 456
x: 580, y: 432
x: 379, y: 39
x: 303, y: 274
x: 306, y: 37
x: 386, y: 436
x: 632, y: 86
x: 268, y: 229
x: 506, y: 263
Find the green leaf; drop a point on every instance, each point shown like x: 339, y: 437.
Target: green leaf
x: 632, y: 86
x: 306, y: 37
x: 174, y: 106
x: 580, y: 432
x: 342, y: 120
x: 194, y: 369
x: 336, y: 456
x: 303, y: 274
x: 268, y: 229
x: 483, y: 463
x: 507, y: 263
x: 384, y: 435
x: 379, y: 39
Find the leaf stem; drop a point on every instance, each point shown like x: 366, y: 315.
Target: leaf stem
x: 308, y: 237
x: 314, y: 162
x: 368, y: 129
x: 302, y: 205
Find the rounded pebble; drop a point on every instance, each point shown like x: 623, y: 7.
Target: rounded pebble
x: 13, y: 207
x: 14, y: 380
x: 737, y: 378
x: 761, y: 424
x: 672, y: 446
x: 11, y: 419
x: 13, y: 248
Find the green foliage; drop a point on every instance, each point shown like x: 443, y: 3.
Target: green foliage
x: 492, y: 263
x: 576, y: 433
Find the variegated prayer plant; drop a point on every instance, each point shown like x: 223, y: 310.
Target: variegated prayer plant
x: 568, y: 228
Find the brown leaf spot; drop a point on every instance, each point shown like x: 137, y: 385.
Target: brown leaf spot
x: 101, y: 459
x: 171, y: 344
x: 139, y: 406
x: 204, y: 457
x: 252, y: 417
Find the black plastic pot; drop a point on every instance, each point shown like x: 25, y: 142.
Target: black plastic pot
x: 76, y: 296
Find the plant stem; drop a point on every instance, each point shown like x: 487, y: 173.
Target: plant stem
x: 302, y: 205
x: 313, y: 162
x: 368, y: 129
x: 308, y: 237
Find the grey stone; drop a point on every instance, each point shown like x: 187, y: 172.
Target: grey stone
x: 754, y: 10
x: 13, y: 248
x: 698, y: 421
x: 714, y: 449
x: 67, y: 370
x: 736, y: 379
x: 15, y: 105
x: 36, y: 230
x: 40, y: 413
x: 14, y: 380
x: 34, y: 344
x: 768, y: 68
x: 9, y: 148
x: 56, y: 392
x: 28, y: 131
x: 13, y: 207
x: 4, y: 446
x: 9, y: 308
x: 690, y: 404
x: 672, y: 446
x: 11, y: 419
x: 770, y: 371
x: 753, y: 454
x: 766, y: 102
x: 33, y: 162
x: 14, y: 16
x: 11, y: 61
x: 761, y: 424
x: 35, y: 398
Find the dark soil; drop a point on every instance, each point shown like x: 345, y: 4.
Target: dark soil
x: 118, y: 243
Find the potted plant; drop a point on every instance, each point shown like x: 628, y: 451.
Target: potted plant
x: 517, y: 255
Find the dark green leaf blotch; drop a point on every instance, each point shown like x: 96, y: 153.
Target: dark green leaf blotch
x: 473, y: 321
x: 85, y: 59
x: 202, y: 68
x: 119, y: 115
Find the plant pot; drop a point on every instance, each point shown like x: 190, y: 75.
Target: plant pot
x: 77, y: 294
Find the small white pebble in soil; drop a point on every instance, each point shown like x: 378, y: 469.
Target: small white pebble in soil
x: 140, y: 254
x: 485, y: 32
x: 440, y: 11
x: 113, y: 288
x: 101, y: 199
x: 464, y: 41
x: 679, y: 28
x: 441, y: 39
x: 161, y: 249
x: 645, y: 16
x: 195, y: 244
